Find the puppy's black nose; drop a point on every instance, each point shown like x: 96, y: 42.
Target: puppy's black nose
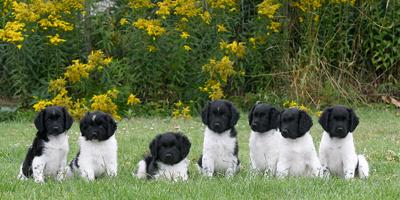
x: 217, y: 125
x: 94, y: 133
x: 56, y: 128
x: 340, y: 129
x: 285, y: 131
x: 168, y: 155
x: 254, y: 125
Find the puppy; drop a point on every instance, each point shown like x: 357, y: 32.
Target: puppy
x: 337, y: 152
x: 168, y: 158
x: 264, y: 138
x: 297, y: 155
x: 220, y: 148
x: 98, y: 147
x: 47, y: 156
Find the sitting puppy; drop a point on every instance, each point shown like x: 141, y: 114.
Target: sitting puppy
x: 220, y: 148
x: 47, y: 156
x: 264, y: 138
x: 168, y: 158
x: 98, y: 147
x: 297, y: 155
x: 337, y: 152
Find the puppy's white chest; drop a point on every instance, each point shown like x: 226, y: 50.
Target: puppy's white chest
x: 175, y: 172
x: 219, y: 148
x: 264, y: 149
x: 55, y: 152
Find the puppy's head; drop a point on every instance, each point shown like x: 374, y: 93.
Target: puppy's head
x: 97, y: 125
x: 170, y: 148
x: 220, y: 115
x: 294, y: 123
x: 338, y: 121
x: 53, y: 120
x: 263, y: 117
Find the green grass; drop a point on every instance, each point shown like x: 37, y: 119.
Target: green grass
x: 377, y: 136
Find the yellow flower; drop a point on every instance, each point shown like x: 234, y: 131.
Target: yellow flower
x: 206, y: 16
x: 187, y: 48
x: 137, y: 4
x: 113, y: 93
x: 151, y: 26
x: 56, y: 40
x: 274, y: 26
x: 222, y: 68
x: 19, y: 46
x: 235, y: 47
x: 151, y: 48
x: 223, y: 4
x: 268, y: 8
x: 133, y: 100
x: 42, y: 104
x: 252, y: 41
x: 123, y: 21
x: 12, y: 32
x: 57, y: 85
x: 185, y: 35
x: 181, y: 111
x: 187, y: 8
x: 221, y: 28
x: 104, y: 103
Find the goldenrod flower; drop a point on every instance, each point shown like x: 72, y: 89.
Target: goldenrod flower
x: 57, y: 85
x: 137, y: 4
x: 123, y: 21
x: 235, y: 47
x: 184, y: 35
x: 133, y: 100
x: 268, y: 8
x: 151, y: 48
x: 56, y: 40
x: 206, y: 16
x: 42, y: 104
x: 12, y: 32
x: 221, y: 28
x: 151, y: 26
x: 222, y: 68
x: 187, y: 48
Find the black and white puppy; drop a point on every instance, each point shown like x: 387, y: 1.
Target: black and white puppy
x: 220, y: 147
x: 47, y: 156
x: 337, y: 152
x: 97, y: 147
x: 168, y: 159
x: 297, y: 155
x: 264, y: 138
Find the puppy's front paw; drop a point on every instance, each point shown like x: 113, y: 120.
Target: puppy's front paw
x: 39, y: 180
x: 112, y: 173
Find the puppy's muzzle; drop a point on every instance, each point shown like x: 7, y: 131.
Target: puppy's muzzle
x: 339, y: 130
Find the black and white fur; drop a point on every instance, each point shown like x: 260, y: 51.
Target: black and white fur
x: 297, y: 155
x: 264, y: 138
x: 47, y: 156
x: 97, y: 147
x: 220, y: 147
x: 337, y: 152
x: 168, y: 159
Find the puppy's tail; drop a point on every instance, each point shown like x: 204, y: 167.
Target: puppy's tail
x: 363, y: 168
x: 141, y: 170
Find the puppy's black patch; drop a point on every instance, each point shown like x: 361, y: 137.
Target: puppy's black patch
x: 220, y: 115
x: 168, y: 148
x: 294, y: 123
x: 97, y: 125
x: 338, y: 121
x: 263, y: 117
x: 52, y: 120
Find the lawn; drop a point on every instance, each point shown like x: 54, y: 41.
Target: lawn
x: 377, y: 137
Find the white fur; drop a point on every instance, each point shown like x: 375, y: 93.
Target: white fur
x: 174, y: 172
x: 218, y: 149
x: 141, y: 170
x: 97, y: 158
x: 298, y: 157
x: 53, y: 160
x: 338, y: 157
x: 264, y: 151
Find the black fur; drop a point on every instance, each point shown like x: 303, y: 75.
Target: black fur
x: 74, y: 162
x: 338, y: 121
x: 52, y: 120
x: 97, y: 125
x: 263, y: 117
x: 220, y: 115
x: 294, y: 123
x: 169, y: 148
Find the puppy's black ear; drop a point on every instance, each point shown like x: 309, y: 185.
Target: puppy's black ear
x: 280, y: 119
x: 184, y: 145
x: 274, y: 115
x: 84, y: 123
x: 324, y: 119
x: 154, y: 146
x: 251, y: 114
x: 305, y: 122
x: 111, y: 126
x: 353, y: 123
x: 205, y: 112
x: 235, y: 114
x: 68, y: 120
x: 39, y: 122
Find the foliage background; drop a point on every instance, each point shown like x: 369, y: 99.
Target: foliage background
x: 317, y: 52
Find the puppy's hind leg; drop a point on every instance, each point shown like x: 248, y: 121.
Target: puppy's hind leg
x: 363, y: 168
